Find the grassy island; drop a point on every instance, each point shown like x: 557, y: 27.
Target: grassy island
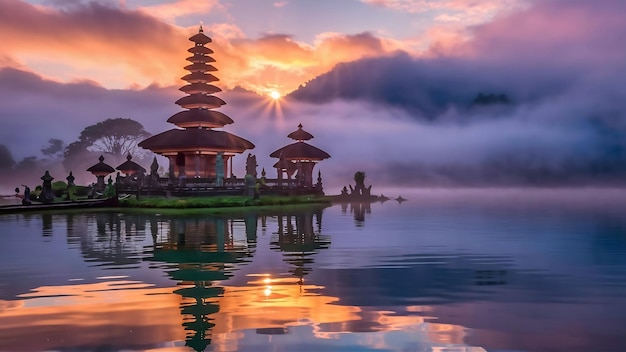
x: 219, y: 202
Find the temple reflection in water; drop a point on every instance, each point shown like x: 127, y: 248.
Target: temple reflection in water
x: 202, y: 251
x: 358, y: 210
x: 298, y: 240
x: 221, y: 282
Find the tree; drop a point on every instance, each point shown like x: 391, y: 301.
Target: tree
x: 117, y: 136
x: 55, y: 148
x: 6, y: 158
x: 28, y: 164
x: 359, y: 179
x: 76, y: 157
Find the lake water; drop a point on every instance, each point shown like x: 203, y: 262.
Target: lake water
x: 457, y: 270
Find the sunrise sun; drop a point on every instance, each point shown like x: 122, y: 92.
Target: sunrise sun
x: 274, y: 95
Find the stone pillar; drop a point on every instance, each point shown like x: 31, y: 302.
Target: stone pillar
x: 46, y: 193
x: 100, y: 183
x: 181, y: 162
x: 171, y: 177
x: 307, y: 169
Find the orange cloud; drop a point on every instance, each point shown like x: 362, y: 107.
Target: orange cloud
x: 179, y: 8
x: 279, y: 61
x: 113, y: 46
x: 118, y: 47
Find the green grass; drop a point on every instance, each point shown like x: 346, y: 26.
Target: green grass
x: 219, y: 202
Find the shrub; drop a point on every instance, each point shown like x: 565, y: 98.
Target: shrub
x: 59, y: 188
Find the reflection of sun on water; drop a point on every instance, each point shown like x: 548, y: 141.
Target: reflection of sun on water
x: 274, y: 303
x: 268, y: 289
x: 143, y: 315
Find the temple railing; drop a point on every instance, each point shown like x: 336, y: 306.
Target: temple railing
x: 133, y: 184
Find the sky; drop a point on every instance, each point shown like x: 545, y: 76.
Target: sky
x: 385, y: 86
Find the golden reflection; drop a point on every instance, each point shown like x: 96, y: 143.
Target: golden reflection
x: 248, y: 308
x: 294, y: 305
x: 128, y: 312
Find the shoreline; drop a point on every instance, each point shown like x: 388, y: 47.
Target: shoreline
x: 170, y: 204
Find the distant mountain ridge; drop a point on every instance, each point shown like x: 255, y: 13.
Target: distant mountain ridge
x: 424, y: 88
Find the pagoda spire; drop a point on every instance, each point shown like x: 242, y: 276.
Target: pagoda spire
x: 192, y: 148
x: 200, y: 100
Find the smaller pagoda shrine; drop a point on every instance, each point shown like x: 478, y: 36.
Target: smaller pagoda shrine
x: 300, y: 157
x: 192, y: 148
x: 101, y: 170
x: 130, y: 168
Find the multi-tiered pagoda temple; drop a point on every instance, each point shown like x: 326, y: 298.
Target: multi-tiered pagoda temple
x: 300, y: 154
x: 192, y: 148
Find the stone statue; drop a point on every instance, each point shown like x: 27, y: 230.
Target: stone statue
x: 359, y: 179
x: 109, y: 190
x: 70, y: 186
x: 251, y: 165
x: 153, y: 179
x: 219, y: 169
x: 70, y: 179
x: 318, y: 185
x: 263, y: 173
x: 360, y: 190
x: 26, y: 200
x: 154, y: 167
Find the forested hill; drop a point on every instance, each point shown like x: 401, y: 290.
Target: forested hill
x: 426, y: 88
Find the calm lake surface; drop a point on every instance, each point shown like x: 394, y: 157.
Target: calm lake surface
x: 477, y: 270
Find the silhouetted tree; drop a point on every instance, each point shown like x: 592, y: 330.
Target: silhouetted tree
x: 54, y: 148
x: 28, y: 164
x: 359, y: 179
x: 6, y: 158
x: 76, y: 157
x: 115, y: 137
